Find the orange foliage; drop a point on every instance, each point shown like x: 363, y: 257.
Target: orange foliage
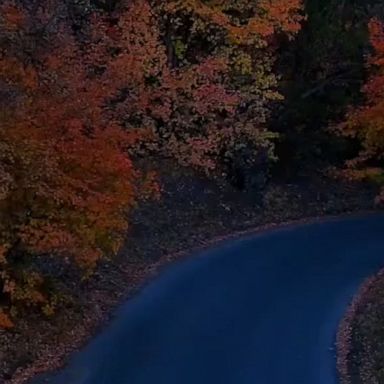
x: 270, y: 16
x: 77, y: 108
x: 197, y: 108
x: 5, y: 321
x: 67, y: 183
x: 366, y: 123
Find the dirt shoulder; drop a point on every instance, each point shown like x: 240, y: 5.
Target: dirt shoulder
x: 361, y: 335
x: 192, y: 212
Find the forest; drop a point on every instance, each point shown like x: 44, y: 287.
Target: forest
x: 108, y: 106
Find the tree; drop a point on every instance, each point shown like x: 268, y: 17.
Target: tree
x: 67, y: 183
x: 221, y: 55
x: 208, y: 79
x: 366, y: 123
x: 86, y: 92
x: 322, y: 71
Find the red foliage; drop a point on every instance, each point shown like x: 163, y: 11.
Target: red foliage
x: 67, y: 183
x: 77, y: 107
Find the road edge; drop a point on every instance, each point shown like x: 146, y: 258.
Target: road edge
x: 40, y: 366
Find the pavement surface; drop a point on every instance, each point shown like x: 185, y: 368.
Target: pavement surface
x: 263, y: 309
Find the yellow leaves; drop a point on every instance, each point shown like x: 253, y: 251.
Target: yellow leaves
x: 243, y: 63
x: 209, y: 108
x: 274, y: 96
x: 180, y: 49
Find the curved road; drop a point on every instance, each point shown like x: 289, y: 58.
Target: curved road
x: 263, y: 309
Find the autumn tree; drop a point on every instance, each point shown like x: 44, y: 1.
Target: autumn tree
x: 207, y: 79
x: 366, y: 123
x: 67, y: 183
x: 322, y: 71
x: 86, y: 92
x: 242, y: 37
x: 220, y: 58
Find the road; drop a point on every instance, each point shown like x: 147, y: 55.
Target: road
x: 262, y: 309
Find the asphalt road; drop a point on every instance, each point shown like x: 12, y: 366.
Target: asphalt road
x: 259, y: 310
